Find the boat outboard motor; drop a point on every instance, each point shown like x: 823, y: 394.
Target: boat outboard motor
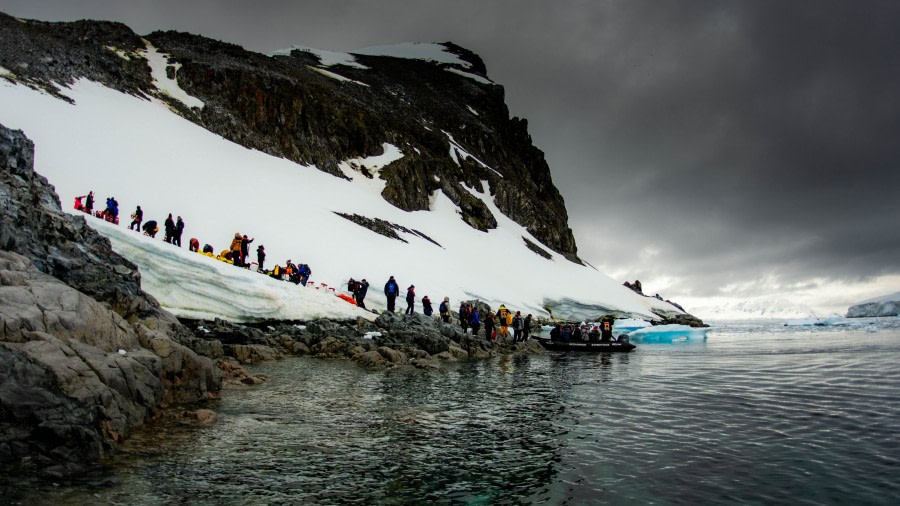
x: 623, y: 338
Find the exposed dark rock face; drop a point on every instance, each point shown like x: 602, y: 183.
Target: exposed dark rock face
x: 680, y: 319
x: 635, y: 287
x: 85, y: 355
x: 385, y: 228
x: 284, y: 106
x: 537, y: 249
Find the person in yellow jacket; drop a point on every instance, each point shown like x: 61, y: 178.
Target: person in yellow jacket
x: 236, y: 249
x: 504, y: 318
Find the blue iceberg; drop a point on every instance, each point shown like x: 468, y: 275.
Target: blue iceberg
x: 669, y: 334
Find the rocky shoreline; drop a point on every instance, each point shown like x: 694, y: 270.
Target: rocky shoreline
x: 390, y: 341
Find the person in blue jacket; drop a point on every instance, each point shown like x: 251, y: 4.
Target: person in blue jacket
x: 391, y: 291
x: 474, y: 321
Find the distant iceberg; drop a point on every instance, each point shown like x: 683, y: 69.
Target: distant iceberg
x: 887, y: 305
x: 669, y: 334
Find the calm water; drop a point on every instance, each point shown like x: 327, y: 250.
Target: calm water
x: 756, y: 414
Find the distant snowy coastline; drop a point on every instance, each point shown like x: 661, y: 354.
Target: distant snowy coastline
x: 886, y: 305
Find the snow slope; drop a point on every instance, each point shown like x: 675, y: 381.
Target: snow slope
x: 140, y: 152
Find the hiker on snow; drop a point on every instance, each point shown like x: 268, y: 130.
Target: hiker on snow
x: 391, y: 291
x: 260, y: 256
x: 136, y: 218
x: 235, y: 249
x: 150, y: 228
x: 411, y: 299
x: 426, y: 306
x: 304, y: 271
x: 179, y: 229
x: 362, y: 289
x: 170, y: 229
x: 245, y: 250
x: 194, y: 245
x: 89, y: 203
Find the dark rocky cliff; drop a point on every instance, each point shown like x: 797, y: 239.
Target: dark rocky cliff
x: 85, y: 355
x: 283, y: 106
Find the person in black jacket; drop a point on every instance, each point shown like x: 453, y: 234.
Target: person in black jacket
x: 411, y: 299
x: 169, y: 229
x: 179, y: 229
x: 426, y: 306
x: 362, y: 287
x: 444, y: 309
x: 245, y: 250
x: 150, y: 228
x: 136, y: 219
x: 391, y: 291
x: 260, y: 256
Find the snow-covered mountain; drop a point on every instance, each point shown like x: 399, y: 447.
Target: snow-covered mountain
x: 886, y: 305
x: 755, y: 308
x: 402, y: 164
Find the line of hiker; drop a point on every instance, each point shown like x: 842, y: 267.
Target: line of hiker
x: 239, y: 250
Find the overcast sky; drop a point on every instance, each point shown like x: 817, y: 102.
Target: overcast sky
x: 709, y: 148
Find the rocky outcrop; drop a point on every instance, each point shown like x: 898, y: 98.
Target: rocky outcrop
x: 284, y: 106
x: 85, y: 355
x: 390, y: 341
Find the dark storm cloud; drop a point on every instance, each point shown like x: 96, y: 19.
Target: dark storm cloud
x: 720, y: 142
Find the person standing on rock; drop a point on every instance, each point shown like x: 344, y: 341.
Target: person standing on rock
x: 444, y: 309
x: 463, y: 317
x: 489, y: 326
x: 411, y: 299
x: 502, y: 315
x: 391, y: 291
x: 474, y: 321
x: 260, y: 257
x: 426, y: 306
x: 526, y: 330
x: 169, y: 228
x: 361, y: 291
x: 179, y: 229
x: 517, y: 324
x: 136, y: 218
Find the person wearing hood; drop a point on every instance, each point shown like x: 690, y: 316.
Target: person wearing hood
x: 391, y: 291
x: 235, y: 249
x: 261, y: 256
x: 245, y: 250
x: 517, y: 324
x: 362, y: 287
x: 169, y: 229
x: 444, y: 309
x: 179, y: 229
x: 411, y: 299
x: 426, y: 306
x: 136, y: 218
x: 463, y: 317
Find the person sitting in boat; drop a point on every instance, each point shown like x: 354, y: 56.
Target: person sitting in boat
x: 606, y: 331
x: 565, y: 332
x: 576, y: 333
x: 594, y: 334
x: 555, y: 333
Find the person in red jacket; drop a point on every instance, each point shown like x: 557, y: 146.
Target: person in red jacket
x: 411, y: 299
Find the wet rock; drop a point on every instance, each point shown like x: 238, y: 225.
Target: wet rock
x: 393, y: 356
x: 252, y: 353
x: 201, y: 416
x: 370, y: 359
